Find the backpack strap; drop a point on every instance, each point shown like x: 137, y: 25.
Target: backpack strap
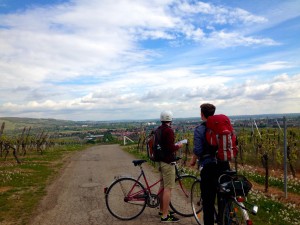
x: 158, y: 134
x: 208, y: 150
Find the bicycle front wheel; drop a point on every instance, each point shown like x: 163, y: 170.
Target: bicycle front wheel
x: 126, y: 198
x: 181, y: 195
x: 196, y: 202
x: 234, y: 214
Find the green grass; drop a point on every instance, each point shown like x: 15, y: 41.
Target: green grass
x: 23, y: 185
x: 273, y: 212
x: 132, y: 149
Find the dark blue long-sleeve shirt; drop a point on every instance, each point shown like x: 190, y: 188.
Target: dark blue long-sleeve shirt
x: 200, y: 144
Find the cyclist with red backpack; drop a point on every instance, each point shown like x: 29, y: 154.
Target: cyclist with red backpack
x: 206, y: 150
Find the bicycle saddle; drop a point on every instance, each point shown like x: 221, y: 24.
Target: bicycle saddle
x: 229, y: 172
x: 138, y: 162
x: 226, y: 176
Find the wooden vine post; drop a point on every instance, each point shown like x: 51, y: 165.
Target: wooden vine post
x: 1, y: 142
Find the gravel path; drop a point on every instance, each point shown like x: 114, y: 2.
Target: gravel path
x: 77, y: 196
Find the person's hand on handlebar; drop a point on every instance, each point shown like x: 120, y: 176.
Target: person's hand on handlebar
x: 179, y: 144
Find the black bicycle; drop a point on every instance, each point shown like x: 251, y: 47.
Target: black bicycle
x: 233, y: 190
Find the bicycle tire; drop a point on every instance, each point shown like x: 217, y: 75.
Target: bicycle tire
x: 196, y: 202
x: 121, y: 208
x: 233, y: 214
x: 181, y: 195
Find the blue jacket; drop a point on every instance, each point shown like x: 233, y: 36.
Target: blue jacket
x: 200, y: 146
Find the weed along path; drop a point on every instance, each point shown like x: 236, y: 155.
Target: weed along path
x: 76, y: 197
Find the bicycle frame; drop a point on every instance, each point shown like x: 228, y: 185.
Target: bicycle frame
x: 136, y: 195
x: 131, y: 196
x: 241, y: 205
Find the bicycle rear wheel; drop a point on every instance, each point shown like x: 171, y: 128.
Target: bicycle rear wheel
x: 196, y: 202
x: 234, y: 214
x: 126, y: 198
x: 181, y: 195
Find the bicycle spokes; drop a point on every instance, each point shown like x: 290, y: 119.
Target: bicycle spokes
x: 126, y: 198
x: 181, y: 195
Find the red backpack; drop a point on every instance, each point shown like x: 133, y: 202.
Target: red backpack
x: 220, y: 134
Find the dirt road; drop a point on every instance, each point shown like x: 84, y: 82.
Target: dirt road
x: 77, y: 196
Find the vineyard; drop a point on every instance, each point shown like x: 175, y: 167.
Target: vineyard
x: 26, y: 141
x: 262, y: 147
x: 264, y: 150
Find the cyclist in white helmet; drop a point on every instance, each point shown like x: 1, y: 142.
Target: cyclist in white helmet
x: 167, y: 169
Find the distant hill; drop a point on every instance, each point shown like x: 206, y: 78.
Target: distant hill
x: 245, y: 117
x: 264, y: 116
x: 18, y: 123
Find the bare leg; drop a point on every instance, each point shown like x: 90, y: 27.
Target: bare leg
x: 166, y: 197
x: 161, y: 196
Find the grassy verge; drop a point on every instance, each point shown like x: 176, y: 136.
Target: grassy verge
x: 293, y: 184
x: 270, y: 210
x: 23, y: 185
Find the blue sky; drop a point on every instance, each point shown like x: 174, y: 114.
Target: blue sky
x: 131, y: 59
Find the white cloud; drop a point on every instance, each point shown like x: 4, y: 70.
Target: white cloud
x: 121, y: 96
x: 252, y: 68
x: 76, y: 33
x: 221, y: 14
x: 224, y: 39
x: 93, y: 56
x: 154, y: 34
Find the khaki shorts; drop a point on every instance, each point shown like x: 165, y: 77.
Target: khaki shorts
x: 167, y: 173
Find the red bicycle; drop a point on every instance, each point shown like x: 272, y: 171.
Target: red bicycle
x: 126, y: 198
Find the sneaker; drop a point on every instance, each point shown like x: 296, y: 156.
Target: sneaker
x: 170, y: 213
x: 169, y: 219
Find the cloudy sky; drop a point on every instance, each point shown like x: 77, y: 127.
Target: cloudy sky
x: 131, y: 59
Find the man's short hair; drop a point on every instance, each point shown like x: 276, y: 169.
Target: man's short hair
x: 207, y: 109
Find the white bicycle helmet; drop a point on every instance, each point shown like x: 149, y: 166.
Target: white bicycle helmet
x: 166, y: 116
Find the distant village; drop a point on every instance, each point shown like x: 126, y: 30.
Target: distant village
x: 128, y: 131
